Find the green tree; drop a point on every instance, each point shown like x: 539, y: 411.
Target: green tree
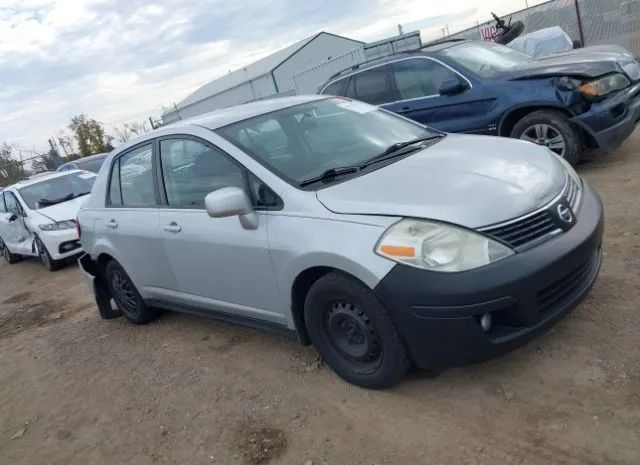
x: 90, y: 136
x: 10, y: 169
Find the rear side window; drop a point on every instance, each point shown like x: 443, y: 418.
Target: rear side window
x: 372, y: 86
x: 92, y: 165
x: 420, y: 77
x: 191, y: 170
x: 335, y: 88
x: 132, y: 179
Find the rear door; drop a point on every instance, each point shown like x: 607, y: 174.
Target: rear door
x: 130, y: 223
x: 417, y: 82
x: 217, y: 263
x: 372, y: 85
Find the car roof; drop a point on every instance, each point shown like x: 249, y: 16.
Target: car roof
x: 428, y: 50
x: 225, y: 116
x: 36, y: 180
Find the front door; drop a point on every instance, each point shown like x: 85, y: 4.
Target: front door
x: 418, y: 81
x: 15, y: 233
x: 217, y: 263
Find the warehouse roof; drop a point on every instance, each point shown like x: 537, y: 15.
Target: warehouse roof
x: 249, y: 72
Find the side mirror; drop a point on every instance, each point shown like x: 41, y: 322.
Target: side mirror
x: 231, y: 201
x: 10, y: 217
x: 452, y: 87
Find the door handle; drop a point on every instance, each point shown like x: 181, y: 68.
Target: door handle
x: 112, y: 224
x: 172, y: 227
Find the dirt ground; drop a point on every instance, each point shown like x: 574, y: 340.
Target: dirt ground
x: 75, y: 389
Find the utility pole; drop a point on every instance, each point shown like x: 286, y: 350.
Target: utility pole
x: 579, y: 17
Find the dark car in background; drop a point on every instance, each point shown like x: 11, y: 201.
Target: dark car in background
x: 569, y: 102
x: 91, y: 163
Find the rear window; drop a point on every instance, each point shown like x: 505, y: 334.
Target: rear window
x: 335, y: 88
x: 57, y: 190
x: 92, y: 165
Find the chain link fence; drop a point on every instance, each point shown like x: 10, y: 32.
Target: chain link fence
x: 591, y: 22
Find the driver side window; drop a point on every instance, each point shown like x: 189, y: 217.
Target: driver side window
x: 12, y: 204
x: 191, y: 170
x: 420, y: 77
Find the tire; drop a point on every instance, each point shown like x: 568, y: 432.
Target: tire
x: 8, y: 256
x: 354, y: 333
x: 543, y: 128
x: 49, y: 263
x: 126, y: 296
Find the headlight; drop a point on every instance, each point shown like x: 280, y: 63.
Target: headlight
x: 570, y: 169
x: 605, y: 85
x: 439, y: 247
x: 58, y: 226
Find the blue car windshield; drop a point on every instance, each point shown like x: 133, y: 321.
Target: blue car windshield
x: 485, y: 59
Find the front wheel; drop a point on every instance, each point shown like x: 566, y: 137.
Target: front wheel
x: 553, y: 130
x: 354, y: 333
x: 49, y: 263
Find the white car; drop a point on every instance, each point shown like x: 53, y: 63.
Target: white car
x: 37, y: 217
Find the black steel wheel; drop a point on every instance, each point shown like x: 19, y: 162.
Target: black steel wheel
x: 126, y: 296
x: 354, y: 333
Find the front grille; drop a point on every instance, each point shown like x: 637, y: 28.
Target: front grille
x: 566, y: 286
x: 525, y: 230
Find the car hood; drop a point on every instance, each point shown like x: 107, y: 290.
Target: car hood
x: 472, y: 181
x: 589, y: 62
x: 63, y: 211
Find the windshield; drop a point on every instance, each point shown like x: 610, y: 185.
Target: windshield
x: 485, y: 58
x: 304, y: 141
x: 57, y: 190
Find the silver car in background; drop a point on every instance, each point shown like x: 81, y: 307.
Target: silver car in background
x: 382, y: 242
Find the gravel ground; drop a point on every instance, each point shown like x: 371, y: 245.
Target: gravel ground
x: 75, y: 389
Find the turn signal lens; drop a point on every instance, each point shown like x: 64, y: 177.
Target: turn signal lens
x: 398, y: 251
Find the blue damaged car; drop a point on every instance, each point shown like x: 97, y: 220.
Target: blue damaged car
x: 571, y: 102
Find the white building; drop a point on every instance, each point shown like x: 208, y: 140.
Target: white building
x: 269, y: 77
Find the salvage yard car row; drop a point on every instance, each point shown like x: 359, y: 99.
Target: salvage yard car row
x: 383, y: 242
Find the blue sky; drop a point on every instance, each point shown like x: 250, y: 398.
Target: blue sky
x: 121, y: 60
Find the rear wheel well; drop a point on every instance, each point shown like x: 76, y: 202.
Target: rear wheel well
x: 299, y: 291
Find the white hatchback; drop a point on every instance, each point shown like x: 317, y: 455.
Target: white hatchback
x: 37, y: 217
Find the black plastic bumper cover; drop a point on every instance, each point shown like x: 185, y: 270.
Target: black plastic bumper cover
x: 438, y: 313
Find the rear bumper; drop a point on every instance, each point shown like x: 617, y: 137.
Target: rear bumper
x: 438, y: 314
x: 612, y: 121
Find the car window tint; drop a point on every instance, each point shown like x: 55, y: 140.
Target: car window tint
x: 136, y: 178
x: 351, y: 89
x: 12, y: 204
x: 3, y: 209
x: 372, y: 86
x: 420, y: 77
x: 335, y: 88
x: 191, y: 170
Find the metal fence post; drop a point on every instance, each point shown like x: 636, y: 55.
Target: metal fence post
x: 579, y: 17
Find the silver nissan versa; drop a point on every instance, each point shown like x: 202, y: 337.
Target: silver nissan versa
x: 380, y: 241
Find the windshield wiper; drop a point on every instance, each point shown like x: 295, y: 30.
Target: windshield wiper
x: 56, y: 201
x: 395, y: 150
x: 330, y: 174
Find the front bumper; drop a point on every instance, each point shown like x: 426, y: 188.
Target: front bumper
x: 611, y: 121
x: 94, y: 278
x: 61, y: 244
x: 438, y: 314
